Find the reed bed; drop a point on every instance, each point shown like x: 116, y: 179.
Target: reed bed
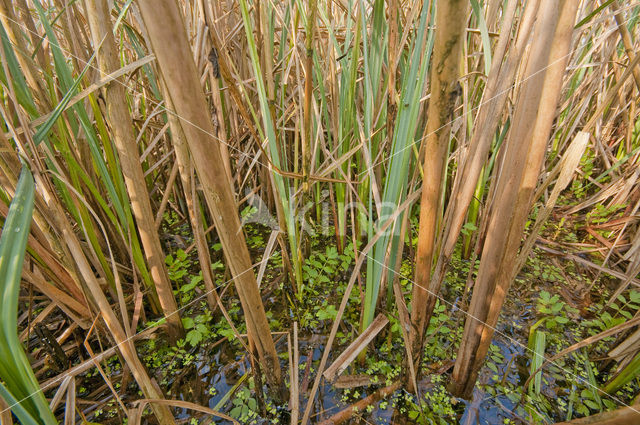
x: 404, y: 135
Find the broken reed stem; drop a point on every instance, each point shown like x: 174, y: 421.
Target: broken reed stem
x: 361, y: 406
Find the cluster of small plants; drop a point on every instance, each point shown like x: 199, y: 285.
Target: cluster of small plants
x: 621, y: 309
x: 324, y: 274
x: 569, y: 381
x: 436, y: 406
x: 244, y: 406
x: 569, y: 387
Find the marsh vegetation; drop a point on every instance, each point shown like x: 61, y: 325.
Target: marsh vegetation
x: 351, y: 211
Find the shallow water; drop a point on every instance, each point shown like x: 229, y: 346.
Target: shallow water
x: 483, y: 409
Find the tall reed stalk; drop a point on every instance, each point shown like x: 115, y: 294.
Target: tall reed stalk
x: 167, y: 34
x: 451, y: 18
x: 124, y: 140
x: 524, y: 153
x: 395, y: 189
